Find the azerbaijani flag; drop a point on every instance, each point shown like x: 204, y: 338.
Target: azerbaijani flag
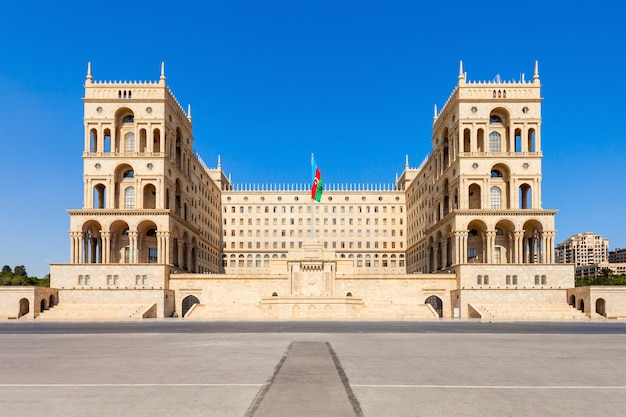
x: 316, y: 176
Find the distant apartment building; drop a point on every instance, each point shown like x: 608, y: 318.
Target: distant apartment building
x: 595, y: 270
x: 583, y: 249
x: 617, y: 256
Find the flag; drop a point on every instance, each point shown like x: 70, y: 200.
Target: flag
x: 317, y: 185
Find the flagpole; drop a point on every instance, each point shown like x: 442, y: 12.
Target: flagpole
x: 312, y: 218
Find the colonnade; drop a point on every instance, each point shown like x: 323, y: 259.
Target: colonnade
x: 520, y: 249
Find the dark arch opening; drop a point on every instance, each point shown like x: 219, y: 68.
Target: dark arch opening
x: 188, y: 302
x: 24, y: 307
x: 601, y: 307
x: 436, y: 303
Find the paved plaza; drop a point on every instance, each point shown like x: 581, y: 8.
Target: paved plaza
x: 176, y: 368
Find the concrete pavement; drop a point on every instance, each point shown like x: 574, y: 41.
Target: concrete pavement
x: 111, y: 370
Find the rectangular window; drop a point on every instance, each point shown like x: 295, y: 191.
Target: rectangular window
x: 87, y: 280
x: 138, y: 280
x: 80, y: 280
x: 116, y: 279
x: 145, y: 279
x: 109, y: 280
x: 497, y: 255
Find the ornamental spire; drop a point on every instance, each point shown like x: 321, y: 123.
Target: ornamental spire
x: 461, y: 74
x: 536, y: 75
x: 89, y: 71
x: 162, y: 71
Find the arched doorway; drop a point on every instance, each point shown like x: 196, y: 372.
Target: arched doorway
x: 24, y: 307
x: 436, y: 303
x: 581, y: 305
x: 189, y: 301
x: 601, y: 306
x: 42, y: 305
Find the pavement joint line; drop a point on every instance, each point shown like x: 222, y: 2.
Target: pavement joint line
x: 356, y: 407
x: 615, y: 387
x: 125, y: 385
x: 256, y: 402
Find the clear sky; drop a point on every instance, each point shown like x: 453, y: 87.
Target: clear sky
x: 270, y: 82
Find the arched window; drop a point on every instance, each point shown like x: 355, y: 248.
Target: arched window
x: 129, y: 142
x: 188, y: 302
x: 494, y: 118
x: 474, y: 196
x: 129, y: 198
x: 525, y: 197
x: 495, y: 196
x: 129, y: 174
x: 495, y: 173
x: 494, y: 142
x: 99, y: 196
x: 93, y: 140
x: 129, y: 118
x: 436, y: 303
x: 149, y: 197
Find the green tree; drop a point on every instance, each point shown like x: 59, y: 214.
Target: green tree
x: 20, y: 270
x: 7, y: 270
x: 606, y: 276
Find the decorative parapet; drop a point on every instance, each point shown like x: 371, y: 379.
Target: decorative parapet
x: 307, y: 187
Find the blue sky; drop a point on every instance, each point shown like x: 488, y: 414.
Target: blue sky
x: 269, y: 82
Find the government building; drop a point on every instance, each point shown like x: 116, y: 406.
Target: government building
x: 162, y: 234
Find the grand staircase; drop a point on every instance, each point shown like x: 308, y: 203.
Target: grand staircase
x: 98, y: 312
x: 526, y: 311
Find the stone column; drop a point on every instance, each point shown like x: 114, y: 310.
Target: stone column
x: 519, y: 253
x: 160, y: 247
x: 132, y: 243
x: 99, y: 249
x: 179, y: 254
x: 473, y: 139
x: 74, y: 249
x: 509, y: 248
x: 190, y: 258
x: 463, y: 247
x: 458, y: 248
x: 106, y: 247
x: 140, y: 255
x: 548, y: 250
x: 81, y: 251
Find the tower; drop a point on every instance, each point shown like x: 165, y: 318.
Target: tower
x: 143, y: 182
x: 477, y: 198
